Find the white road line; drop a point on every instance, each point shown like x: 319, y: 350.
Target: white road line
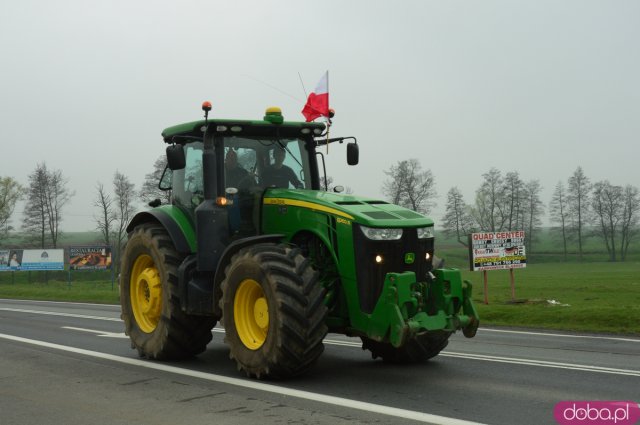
x: 611, y: 338
x: 543, y: 363
x: 13, y: 300
x: 306, y: 395
x: 526, y: 362
x: 53, y: 313
x: 520, y: 361
x: 98, y: 333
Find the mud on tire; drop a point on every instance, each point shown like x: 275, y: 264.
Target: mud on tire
x: 149, y: 297
x: 273, y: 311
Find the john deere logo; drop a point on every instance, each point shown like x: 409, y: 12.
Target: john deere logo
x: 409, y: 258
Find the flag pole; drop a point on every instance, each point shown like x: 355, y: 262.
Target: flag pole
x: 327, y: 118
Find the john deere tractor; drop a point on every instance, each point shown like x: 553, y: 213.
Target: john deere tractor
x: 254, y: 240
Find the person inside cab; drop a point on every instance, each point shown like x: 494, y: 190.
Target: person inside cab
x: 235, y: 175
x: 278, y: 174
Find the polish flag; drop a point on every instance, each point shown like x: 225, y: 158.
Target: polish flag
x: 318, y: 102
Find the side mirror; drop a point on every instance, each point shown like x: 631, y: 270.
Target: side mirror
x: 175, y: 157
x: 353, y: 154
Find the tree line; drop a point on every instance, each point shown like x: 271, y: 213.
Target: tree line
x: 578, y: 208
x: 47, y: 193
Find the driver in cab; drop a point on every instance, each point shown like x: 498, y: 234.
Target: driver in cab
x: 235, y: 175
x: 278, y: 174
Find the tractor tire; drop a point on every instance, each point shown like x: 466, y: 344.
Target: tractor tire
x: 417, y: 349
x: 273, y: 311
x: 150, y: 300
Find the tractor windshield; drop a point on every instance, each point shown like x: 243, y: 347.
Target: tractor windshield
x: 266, y: 163
x: 251, y: 165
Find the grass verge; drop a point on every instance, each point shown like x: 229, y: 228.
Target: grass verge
x: 585, y: 297
x: 101, y: 292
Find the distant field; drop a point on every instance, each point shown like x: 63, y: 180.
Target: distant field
x: 65, y: 239
x: 592, y: 296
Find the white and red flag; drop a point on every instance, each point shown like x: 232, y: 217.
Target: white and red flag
x: 318, y: 102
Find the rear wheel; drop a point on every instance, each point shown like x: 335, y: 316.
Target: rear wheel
x: 417, y: 349
x: 273, y: 311
x: 150, y: 301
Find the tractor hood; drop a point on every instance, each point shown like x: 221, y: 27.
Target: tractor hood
x: 366, y: 211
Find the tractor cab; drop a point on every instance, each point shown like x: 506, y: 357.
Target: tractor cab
x: 234, y: 162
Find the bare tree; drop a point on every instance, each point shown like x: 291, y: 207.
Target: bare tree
x: 150, y: 189
x: 35, y: 220
x: 513, y: 193
x: 10, y: 193
x: 330, y: 186
x: 489, y: 207
x: 607, y: 205
x: 46, y: 197
x: 630, y: 219
x: 124, y: 193
x: 457, y: 220
x: 534, y: 209
x: 409, y: 186
x: 106, y: 218
x: 558, y: 213
x: 578, y: 203
x: 393, y: 187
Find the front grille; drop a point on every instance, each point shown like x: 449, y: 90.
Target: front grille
x: 371, y: 275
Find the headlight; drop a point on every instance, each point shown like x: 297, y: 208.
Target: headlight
x: 425, y: 232
x: 382, y: 234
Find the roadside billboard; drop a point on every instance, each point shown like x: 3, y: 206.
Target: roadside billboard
x: 97, y: 257
x: 497, y: 250
x: 31, y: 259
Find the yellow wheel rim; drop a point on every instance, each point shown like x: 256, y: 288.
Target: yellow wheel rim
x: 145, y: 287
x: 251, y: 314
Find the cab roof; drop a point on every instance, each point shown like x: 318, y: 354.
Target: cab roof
x: 250, y: 128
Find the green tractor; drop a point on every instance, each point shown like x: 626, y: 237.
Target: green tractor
x: 254, y: 241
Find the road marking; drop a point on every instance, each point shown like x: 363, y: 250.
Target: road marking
x: 610, y: 338
x: 98, y: 333
x: 542, y: 363
x: 53, y: 313
x: 526, y: 362
x: 306, y: 395
x: 12, y: 300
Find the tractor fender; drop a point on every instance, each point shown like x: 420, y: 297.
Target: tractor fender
x: 228, y: 254
x: 173, y: 220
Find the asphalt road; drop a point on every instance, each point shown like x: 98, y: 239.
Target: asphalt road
x: 63, y: 363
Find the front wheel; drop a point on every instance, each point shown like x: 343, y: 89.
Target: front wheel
x: 417, y: 349
x: 273, y: 311
x: 150, y: 301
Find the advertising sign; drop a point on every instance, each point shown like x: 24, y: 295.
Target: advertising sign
x: 90, y: 257
x: 497, y: 250
x: 31, y: 259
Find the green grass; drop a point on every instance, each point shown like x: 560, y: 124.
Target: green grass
x: 92, y: 287
x: 599, y: 297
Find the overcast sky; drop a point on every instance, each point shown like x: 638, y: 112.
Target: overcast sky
x: 539, y: 87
